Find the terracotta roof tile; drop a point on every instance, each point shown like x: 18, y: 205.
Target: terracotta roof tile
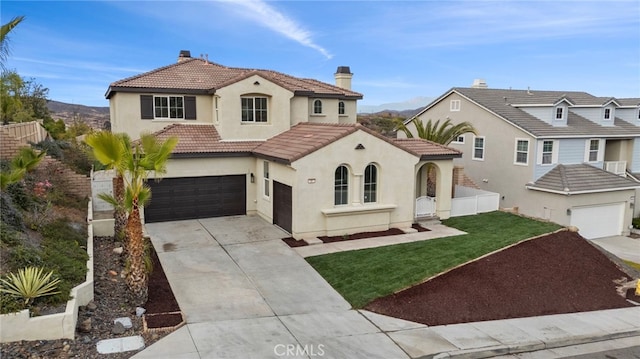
x: 305, y: 138
x: 203, y: 139
x: 199, y: 75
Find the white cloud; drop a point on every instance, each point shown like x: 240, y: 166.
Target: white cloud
x: 271, y: 18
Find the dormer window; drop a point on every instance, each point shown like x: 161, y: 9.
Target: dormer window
x: 341, y: 108
x: 607, y: 113
x: 317, y: 107
x: 559, y: 113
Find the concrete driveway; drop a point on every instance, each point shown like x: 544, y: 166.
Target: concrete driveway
x: 246, y: 294
x: 621, y: 246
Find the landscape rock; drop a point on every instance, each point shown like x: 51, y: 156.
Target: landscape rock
x: 85, y: 326
x: 92, y: 306
x: 140, y: 311
x: 86, y: 339
x: 118, y: 250
x: 125, y: 321
x: 118, y: 328
x: 112, y: 272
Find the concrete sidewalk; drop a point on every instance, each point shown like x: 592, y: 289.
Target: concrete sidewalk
x: 621, y: 246
x: 246, y: 294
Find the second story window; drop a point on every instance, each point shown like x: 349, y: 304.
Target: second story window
x: 594, y: 148
x: 254, y: 109
x: 547, y: 152
x: 522, y: 152
x: 455, y: 105
x: 341, y: 108
x: 317, y: 107
x: 478, y: 148
x: 607, y: 113
x: 559, y: 113
x: 168, y: 107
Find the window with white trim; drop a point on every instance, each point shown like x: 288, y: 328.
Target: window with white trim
x: 522, y: 152
x: 455, y: 105
x: 607, y: 113
x: 254, y: 109
x: 265, y: 171
x: 559, y: 113
x: 370, y: 184
x: 317, y: 107
x: 341, y: 110
x: 547, y: 152
x: 594, y: 150
x: 341, y: 186
x: 459, y: 140
x: 478, y: 148
x: 168, y: 106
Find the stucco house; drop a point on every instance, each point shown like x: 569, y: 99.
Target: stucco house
x: 564, y: 156
x: 285, y: 148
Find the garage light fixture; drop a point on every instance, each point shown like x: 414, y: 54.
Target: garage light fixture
x: 253, y: 178
x: 568, y: 211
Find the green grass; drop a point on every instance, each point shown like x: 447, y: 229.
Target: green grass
x: 364, y: 275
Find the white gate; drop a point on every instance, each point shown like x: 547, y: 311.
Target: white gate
x: 101, y: 182
x: 425, y: 206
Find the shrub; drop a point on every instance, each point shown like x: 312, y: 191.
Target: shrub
x: 24, y: 256
x: 636, y: 223
x: 30, y: 283
x: 10, y: 215
x: 9, y: 236
x: 10, y: 304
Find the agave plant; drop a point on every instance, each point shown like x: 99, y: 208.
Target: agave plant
x: 29, y: 283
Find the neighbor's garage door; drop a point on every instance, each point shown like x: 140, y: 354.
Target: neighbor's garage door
x: 196, y: 197
x: 598, y: 221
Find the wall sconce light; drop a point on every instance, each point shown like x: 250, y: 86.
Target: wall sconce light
x: 568, y: 211
x: 311, y: 180
x: 253, y: 178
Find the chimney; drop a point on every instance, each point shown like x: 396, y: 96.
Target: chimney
x: 479, y: 84
x: 343, y: 77
x: 184, y: 55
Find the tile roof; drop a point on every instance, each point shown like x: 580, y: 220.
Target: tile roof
x: 502, y: 102
x: 580, y: 178
x: 197, y: 139
x: 305, y: 138
x: 201, y: 76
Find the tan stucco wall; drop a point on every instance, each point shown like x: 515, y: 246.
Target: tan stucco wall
x: 499, y: 149
x: 230, y: 125
x: 313, y: 188
x: 125, y: 114
x: 553, y: 207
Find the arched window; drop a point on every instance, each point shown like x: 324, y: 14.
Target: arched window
x: 371, y: 184
x: 341, y: 186
x: 341, y: 108
x: 317, y: 106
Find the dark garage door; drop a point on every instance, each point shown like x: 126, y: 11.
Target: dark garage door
x: 196, y: 197
x: 282, y: 206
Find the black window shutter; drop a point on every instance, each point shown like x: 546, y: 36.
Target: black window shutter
x: 146, y: 107
x: 189, y: 107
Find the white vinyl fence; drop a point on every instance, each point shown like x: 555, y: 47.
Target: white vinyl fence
x: 468, y: 201
x: 101, y: 182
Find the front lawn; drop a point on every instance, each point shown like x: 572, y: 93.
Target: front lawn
x: 364, y: 275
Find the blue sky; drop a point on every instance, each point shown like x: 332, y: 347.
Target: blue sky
x: 397, y: 50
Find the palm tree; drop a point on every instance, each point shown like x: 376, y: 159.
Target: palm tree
x: 110, y: 149
x: 25, y: 161
x: 138, y: 160
x: 444, y: 134
x: 433, y: 131
x: 4, y: 39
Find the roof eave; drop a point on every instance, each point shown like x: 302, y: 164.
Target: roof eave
x: 114, y: 89
x: 440, y: 157
x: 211, y: 154
x: 304, y: 93
x: 276, y: 159
x: 569, y: 193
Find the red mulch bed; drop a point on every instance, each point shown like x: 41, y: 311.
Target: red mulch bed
x: 557, y: 273
x: 161, y: 305
x: 419, y: 228
x: 292, y: 242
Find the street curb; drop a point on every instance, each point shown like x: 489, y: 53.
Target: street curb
x: 491, y: 351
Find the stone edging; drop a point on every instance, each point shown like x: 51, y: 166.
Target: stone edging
x: 20, y: 326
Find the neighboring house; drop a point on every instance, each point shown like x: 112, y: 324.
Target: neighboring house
x: 564, y: 156
x: 285, y: 148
